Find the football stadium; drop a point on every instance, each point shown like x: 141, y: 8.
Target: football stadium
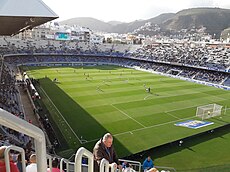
x: 169, y: 100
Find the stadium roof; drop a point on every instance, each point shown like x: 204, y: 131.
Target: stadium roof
x: 19, y: 15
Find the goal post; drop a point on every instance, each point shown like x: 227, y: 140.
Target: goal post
x: 208, y: 111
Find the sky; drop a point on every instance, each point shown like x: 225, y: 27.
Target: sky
x: 125, y: 10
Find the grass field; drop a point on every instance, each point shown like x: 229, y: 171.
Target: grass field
x: 87, y: 102
x: 206, y: 153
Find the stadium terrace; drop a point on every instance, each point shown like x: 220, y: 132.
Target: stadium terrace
x: 58, y: 97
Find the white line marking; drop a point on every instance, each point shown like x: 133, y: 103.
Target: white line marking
x: 187, y: 107
x: 127, y: 132
x: 172, y: 115
x: 140, y: 129
x: 61, y: 115
x: 92, y: 140
x: 147, y: 96
x: 159, y: 97
x: 128, y: 115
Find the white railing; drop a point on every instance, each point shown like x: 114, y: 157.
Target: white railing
x: 113, y: 167
x: 63, y: 160
x: 7, y: 158
x: 78, y: 160
x: 161, y: 168
x: 135, y: 164
x: 49, y: 158
x: 104, y: 165
x: 17, y: 124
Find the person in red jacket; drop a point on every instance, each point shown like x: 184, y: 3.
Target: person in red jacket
x: 13, y: 166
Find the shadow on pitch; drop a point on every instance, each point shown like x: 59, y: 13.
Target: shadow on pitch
x: 83, y: 124
x: 188, y: 143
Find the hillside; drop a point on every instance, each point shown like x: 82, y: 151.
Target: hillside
x: 114, y: 22
x: 89, y: 22
x: 161, y: 18
x: 214, y: 19
x: 130, y: 27
x: 114, y: 26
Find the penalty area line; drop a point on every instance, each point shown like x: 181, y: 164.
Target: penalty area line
x: 172, y: 115
x: 152, y: 126
x: 127, y: 115
x: 149, y: 127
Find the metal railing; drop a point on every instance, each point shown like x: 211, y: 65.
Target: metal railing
x: 63, y: 160
x: 7, y: 157
x: 22, y: 126
x: 78, y: 159
x: 17, y: 124
x: 104, y: 165
x: 167, y: 169
x: 135, y: 164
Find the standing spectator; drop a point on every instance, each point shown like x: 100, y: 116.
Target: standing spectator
x: 29, y: 145
x: 148, y: 164
x: 13, y: 167
x: 54, y: 166
x: 19, y: 162
x: 104, y: 149
x: 33, y: 164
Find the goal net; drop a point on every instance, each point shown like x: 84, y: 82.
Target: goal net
x: 208, y: 111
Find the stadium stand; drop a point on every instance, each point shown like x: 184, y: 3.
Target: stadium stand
x: 207, y: 64
x: 216, y: 77
x: 196, y: 56
x: 210, y: 58
x: 190, y: 63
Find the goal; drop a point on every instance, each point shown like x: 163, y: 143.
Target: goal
x: 208, y: 111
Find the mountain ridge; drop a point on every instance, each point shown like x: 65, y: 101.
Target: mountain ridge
x: 215, y: 20
x: 120, y: 27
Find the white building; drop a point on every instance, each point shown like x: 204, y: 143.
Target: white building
x: 96, y: 38
x: 80, y: 34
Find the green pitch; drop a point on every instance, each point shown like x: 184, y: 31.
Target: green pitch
x: 87, y: 102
